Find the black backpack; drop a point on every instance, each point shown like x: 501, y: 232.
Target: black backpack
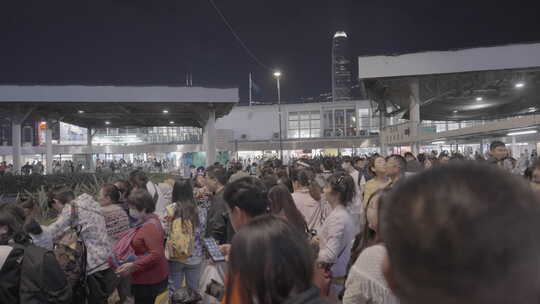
x: 41, y: 278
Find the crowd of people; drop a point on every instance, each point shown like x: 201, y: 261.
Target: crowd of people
x: 69, y: 166
x: 122, y: 165
x: 382, y: 230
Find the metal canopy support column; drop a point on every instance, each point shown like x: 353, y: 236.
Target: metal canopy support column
x: 16, y: 122
x: 414, y: 114
x: 49, y: 147
x: 16, y: 143
x: 382, y: 125
x: 209, y: 137
x: 89, y: 156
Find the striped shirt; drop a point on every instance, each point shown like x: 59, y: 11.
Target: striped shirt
x: 116, y: 221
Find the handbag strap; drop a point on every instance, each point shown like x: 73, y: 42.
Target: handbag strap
x: 342, y: 251
x: 316, y: 214
x: 74, y: 218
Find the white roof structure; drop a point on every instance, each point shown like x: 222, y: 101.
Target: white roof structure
x: 118, y: 106
x: 515, y: 56
x: 131, y: 94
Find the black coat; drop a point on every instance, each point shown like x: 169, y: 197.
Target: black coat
x: 218, y: 224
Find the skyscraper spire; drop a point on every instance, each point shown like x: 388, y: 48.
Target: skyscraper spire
x: 341, y: 68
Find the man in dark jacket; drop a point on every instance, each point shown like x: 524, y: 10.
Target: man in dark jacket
x: 218, y: 224
x: 498, y: 155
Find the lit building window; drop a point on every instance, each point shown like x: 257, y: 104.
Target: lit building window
x: 304, y: 124
x: 340, y: 122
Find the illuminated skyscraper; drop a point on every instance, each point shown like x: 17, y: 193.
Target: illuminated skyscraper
x: 341, y: 68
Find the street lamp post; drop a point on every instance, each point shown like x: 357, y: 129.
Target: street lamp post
x: 277, y: 74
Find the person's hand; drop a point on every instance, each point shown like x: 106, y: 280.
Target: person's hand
x: 126, y: 269
x: 225, y: 250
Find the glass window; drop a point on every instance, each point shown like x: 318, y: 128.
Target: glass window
x: 316, y: 115
x: 315, y: 124
x: 293, y: 125
x: 339, y: 118
x: 363, y: 117
x: 466, y: 124
x: 304, y: 124
x: 453, y: 126
x: 304, y: 133
x: 304, y: 115
x: 328, y: 123
x: 293, y: 116
x: 350, y: 122
x: 293, y: 134
x: 315, y: 132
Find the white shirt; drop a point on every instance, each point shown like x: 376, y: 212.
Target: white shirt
x: 162, y: 201
x: 336, y: 240
x: 366, y: 283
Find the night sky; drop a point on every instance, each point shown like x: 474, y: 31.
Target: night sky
x: 155, y: 42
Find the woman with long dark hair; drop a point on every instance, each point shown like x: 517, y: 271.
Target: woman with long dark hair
x: 270, y: 263
x: 184, y: 218
x: 365, y: 282
x: 282, y: 205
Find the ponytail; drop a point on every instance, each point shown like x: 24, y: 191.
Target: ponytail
x: 306, y: 177
x: 315, y: 192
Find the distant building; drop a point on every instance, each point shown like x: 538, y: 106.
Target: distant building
x: 341, y: 68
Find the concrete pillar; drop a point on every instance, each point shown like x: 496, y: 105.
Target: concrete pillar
x: 209, y: 138
x: 90, y: 165
x: 482, y: 147
x: 414, y: 114
x: 382, y: 125
x: 16, y: 140
x: 49, y: 148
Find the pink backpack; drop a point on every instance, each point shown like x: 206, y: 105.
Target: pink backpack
x: 122, y: 251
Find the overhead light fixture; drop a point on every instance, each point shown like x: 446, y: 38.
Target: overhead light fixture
x: 171, y: 122
x: 455, y: 111
x: 107, y: 122
x: 165, y: 111
x: 277, y: 74
x: 80, y: 112
x: 442, y: 142
x: 522, y: 133
x: 520, y: 85
x: 479, y: 98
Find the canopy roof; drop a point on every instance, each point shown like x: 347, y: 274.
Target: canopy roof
x: 113, y: 106
x: 471, y: 84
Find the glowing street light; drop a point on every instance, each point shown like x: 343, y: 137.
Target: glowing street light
x: 479, y: 98
x: 519, y: 85
x: 165, y: 111
x: 107, y: 122
x: 277, y: 74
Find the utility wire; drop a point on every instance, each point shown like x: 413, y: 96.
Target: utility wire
x: 244, y: 46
